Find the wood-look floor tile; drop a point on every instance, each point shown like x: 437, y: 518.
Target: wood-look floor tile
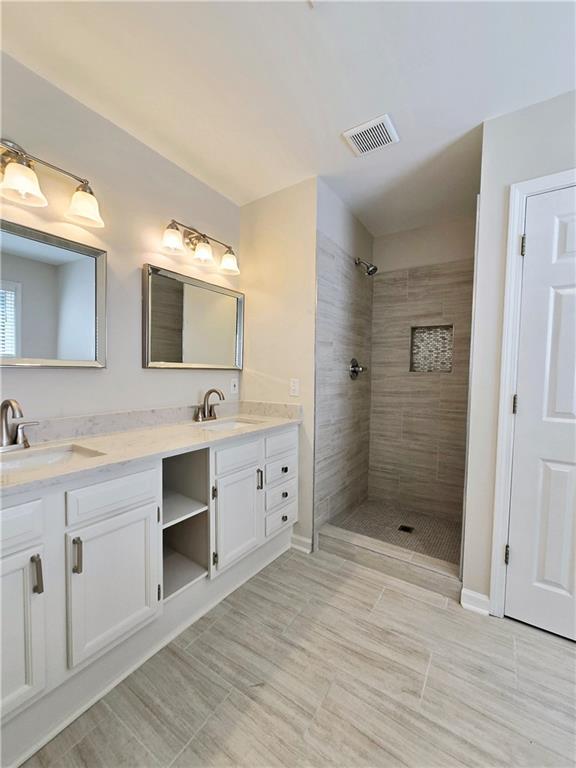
x: 166, y: 700
x: 452, y: 626
x: 494, y: 719
x: 256, y: 660
x: 109, y: 745
x: 242, y: 732
x: 51, y: 753
x: 194, y: 631
x: 397, y: 668
x: 263, y: 601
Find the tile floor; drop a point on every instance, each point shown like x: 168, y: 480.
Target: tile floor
x: 317, y: 661
x: 432, y: 536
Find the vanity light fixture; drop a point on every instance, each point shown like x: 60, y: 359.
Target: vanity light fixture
x: 20, y: 185
x: 229, y: 263
x: 178, y: 237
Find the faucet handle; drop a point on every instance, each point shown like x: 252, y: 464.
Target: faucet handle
x: 21, y: 438
x: 212, y: 410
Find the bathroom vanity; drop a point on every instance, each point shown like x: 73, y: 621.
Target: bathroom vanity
x: 112, y: 545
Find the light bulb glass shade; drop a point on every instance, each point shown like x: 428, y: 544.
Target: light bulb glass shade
x: 203, y: 252
x: 83, y: 208
x: 229, y: 264
x: 172, y: 238
x: 20, y: 185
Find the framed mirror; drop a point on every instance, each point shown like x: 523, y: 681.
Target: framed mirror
x: 188, y: 323
x: 52, y: 300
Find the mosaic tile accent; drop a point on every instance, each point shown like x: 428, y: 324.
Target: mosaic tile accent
x: 431, y: 348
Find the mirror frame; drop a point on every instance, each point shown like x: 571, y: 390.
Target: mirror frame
x: 100, y: 303
x: 147, y: 271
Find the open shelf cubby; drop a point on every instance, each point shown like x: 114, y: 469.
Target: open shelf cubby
x: 185, y: 520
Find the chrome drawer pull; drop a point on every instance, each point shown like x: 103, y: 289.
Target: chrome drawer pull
x: 78, y: 568
x: 38, y: 588
x: 284, y: 494
x: 260, y: 480
x: 284, y: 518
x: 284, y: 470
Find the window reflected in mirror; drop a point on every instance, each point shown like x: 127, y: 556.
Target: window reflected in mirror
x: 50, y: 292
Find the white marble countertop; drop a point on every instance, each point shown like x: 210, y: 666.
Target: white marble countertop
x: 95, y: 452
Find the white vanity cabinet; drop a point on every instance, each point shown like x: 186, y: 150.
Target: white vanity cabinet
x: 239, y: 504
x: 256, y: 493
x: 113, y: 582
x: 23, y: 627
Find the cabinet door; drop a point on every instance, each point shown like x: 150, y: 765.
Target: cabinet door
x: 23, y: 628
x: 239, y: 515
x: 113, y: 580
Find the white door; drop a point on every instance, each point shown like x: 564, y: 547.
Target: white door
x: 113, y: 580
x: 239, y: 515
x: 23, y: 628
x: 540, y: 579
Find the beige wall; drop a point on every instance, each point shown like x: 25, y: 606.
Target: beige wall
x: 436, y: 244
x: 278, y: 246
x: 139, y: 192
x: 532, y: 142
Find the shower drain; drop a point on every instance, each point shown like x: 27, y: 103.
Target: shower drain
x: 406, y: 528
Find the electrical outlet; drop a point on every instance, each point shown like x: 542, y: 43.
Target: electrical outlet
x: 234, y: 386
x: 294, y: 387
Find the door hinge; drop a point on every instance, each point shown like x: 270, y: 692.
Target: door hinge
x: 515, y: 404
x: 507, y: 554
x: 214, y: 558
x: 523, y: 246
x: 159, y: 591
x: 214, y: 492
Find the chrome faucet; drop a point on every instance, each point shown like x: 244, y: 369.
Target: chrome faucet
x: 207, y: 411
x: 13, y: 436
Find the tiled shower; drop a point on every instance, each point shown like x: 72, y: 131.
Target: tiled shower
x: 390, y: 446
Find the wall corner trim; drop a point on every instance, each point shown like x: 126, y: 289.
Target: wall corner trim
x: 475, y: 601
x: 302, y: 543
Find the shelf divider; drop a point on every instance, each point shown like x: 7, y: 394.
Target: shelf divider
x: 177, y: 507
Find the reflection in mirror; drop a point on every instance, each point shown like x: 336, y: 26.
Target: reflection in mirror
x: 52, y: 304
x: 189, y: 323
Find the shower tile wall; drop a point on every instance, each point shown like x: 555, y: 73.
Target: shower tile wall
x: 418, y: 420
x: 343, y: 330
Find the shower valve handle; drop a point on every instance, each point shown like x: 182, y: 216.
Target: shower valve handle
x: 356, y: 368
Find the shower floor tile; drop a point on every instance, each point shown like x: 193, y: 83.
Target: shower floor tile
x: 431, y: 536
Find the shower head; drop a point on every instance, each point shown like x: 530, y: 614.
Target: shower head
x: 371, y: 269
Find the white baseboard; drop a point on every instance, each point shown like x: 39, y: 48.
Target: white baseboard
x: 302, y: 543
x: 475, y: 601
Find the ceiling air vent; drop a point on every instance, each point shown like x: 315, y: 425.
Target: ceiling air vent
x: 372, y: 135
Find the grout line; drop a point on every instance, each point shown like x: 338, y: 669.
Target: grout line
x: 191, y: 739
x: 424, y: 683
x: 129, y: 729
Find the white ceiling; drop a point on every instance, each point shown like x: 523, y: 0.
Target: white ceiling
x: 253, y: 97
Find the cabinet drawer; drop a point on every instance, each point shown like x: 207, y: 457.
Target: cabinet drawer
x: 282, y: 442
x: 282, y: 469
x: 112, y: 496
x: 21, y: 525
x: 282, y: 494
x: 239, y: 456
x: 280, y: 519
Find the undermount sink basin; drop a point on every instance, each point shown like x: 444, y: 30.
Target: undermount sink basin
x: 32, y: 458
x: 227, y: 426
